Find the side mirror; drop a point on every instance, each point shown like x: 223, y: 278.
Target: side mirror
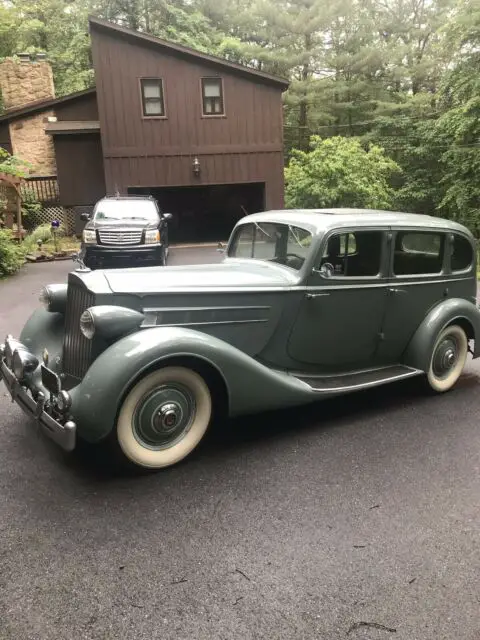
x: 85, y: 217
x: 221, y: 248
x: 167, y: 216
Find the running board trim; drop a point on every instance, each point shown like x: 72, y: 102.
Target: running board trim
x: 357, y: 380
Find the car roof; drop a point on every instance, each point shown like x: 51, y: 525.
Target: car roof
x: 320, y: 220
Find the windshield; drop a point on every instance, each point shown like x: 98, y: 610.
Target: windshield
x: 282, y: 243
x: 126, y: 210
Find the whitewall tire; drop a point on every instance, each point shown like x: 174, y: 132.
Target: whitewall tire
x: 164, y: 417
x: 448, y: 358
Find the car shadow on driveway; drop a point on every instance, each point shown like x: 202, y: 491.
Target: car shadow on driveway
x: 251, y: 435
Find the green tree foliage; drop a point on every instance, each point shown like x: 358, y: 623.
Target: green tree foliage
x: 13, y: 165
x: 339, y: 172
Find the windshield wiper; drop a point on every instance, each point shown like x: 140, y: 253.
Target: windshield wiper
x: 262, y: 230
x: 295, y: 237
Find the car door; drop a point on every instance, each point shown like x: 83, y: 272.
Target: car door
x: 339, y: 320
x: 417, y: 283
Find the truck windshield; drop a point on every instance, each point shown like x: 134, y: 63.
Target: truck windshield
x: 272, y: 241
x: 126, y: 210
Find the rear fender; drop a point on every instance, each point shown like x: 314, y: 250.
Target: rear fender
x: 251, y: 386
x: 465, y: 313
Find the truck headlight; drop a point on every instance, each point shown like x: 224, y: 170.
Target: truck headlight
x: 87, y: 324
x: 54, y: 297
x: 89, y: 236
x: 152, y: 236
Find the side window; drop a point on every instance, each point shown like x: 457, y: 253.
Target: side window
x: 212, y: 97
x: 462, y: 253
x: 153, y: 103
x: 418, y: 253
x: 243, y: 242
x: 355, y: 255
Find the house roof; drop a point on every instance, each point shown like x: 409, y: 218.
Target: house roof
x: 187, y: 52
x: 43, y: 105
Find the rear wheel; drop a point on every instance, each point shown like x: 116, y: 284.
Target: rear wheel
x: 164, y: 417
x: 448, y: 358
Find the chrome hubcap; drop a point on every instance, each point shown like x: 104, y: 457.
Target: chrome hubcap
x: 164, y: 416
x: 167, y: 417
x: 445, y: 358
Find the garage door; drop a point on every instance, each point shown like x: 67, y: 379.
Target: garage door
x: 206, y: 213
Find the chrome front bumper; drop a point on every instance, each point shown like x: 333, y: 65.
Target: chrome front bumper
x: 63, y: 435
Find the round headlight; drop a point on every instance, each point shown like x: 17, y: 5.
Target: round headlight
x: 18, y: 368
x: 23, y: 362
x: 87, y: 324
x: 10, y: 346
x: 54, y: 297
x: 64, y: 401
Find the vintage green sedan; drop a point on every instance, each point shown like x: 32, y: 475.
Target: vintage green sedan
x: 306, y: 304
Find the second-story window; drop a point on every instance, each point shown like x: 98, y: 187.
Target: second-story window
x: 212, y: 97
x: 152, y: 97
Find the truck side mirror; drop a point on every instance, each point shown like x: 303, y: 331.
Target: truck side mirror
x: 167, y: 216
x: 85, y: 217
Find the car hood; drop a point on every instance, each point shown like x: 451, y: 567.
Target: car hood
x: 118, y: 225
x: 245, y: 274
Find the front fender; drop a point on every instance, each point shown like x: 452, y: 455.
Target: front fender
x: 45, y: 330
x: 251, y: 386
x: 419, y: 350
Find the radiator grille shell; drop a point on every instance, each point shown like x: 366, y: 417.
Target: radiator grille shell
x: 77, y: 350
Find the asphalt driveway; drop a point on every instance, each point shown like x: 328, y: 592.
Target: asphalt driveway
x: 354, y: 518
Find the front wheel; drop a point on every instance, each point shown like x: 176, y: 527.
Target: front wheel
x: 448, y: 358
x: 164, y: 417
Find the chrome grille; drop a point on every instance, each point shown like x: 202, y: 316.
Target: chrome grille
x: 120, y: 237
x: 77, y: 350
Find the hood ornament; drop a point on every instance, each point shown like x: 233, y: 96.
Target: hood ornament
x: 83, y: 267
x: 45, y: 357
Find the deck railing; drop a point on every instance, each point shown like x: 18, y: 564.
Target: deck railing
x: 43, y: 188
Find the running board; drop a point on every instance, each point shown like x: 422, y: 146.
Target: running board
x: 357, y: 380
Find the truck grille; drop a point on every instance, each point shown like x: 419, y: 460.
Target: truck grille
x: 119, y: 237
x: 77, y: 350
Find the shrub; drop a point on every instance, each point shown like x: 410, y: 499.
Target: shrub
x: 30, y: 203
x: 12, y: 255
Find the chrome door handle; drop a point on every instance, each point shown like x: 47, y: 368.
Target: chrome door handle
x: 310, y: 296
x: 395, y: 290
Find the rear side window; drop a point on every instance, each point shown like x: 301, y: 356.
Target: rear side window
x: 418, y: 253
x: 462, y: 253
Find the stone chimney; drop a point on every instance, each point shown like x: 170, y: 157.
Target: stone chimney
x: 24, y: 80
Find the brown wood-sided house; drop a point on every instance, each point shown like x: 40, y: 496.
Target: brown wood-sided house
x: 201, y: 134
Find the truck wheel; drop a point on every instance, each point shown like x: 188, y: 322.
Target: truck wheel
x: 448, y: 358
x: 164, y: 417
x: 163, y: 259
